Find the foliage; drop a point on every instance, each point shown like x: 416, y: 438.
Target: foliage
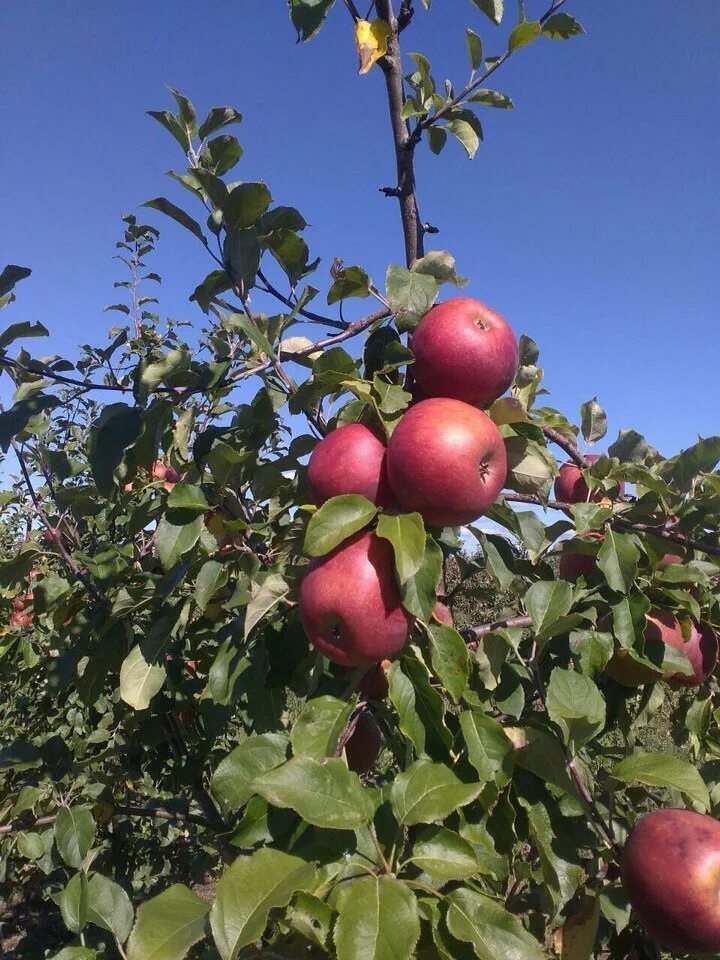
x: 168, y: 729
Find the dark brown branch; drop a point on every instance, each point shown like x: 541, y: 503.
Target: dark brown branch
x: 474, y: 633
x: 672, y: 536
x: 568, y: 446
x: 121, y: 810
x: 354, y: 12
x: 391, y: 66
x: 307, y: 314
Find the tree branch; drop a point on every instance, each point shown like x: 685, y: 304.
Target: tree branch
x: 391, y: 66
x: 672, y: 536
x: 474, y: 633
x: 568, y: 446
x: 307, y: 314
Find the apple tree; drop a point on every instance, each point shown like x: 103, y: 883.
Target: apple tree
x: 241, y: 716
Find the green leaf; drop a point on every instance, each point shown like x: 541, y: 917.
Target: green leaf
x: 491, y: 8
x: 663, y: 770
x: 419, y: 591
x: 492, y: 931
x: 245, y: 204
x: 630, y: 446
x: 702, y: 457
x: 523, y: 34
x: 465, y: 126
x: 73, y: 902
x: 576, y: 705
x: 11, y: 275
x: 489, y: 749
x: 30, y: 845
x: 218, y: 117
x: 336, y: 520
x: 491, y: 98
x: 16, y: 331
x: 187, y: 498
x: 316, y: 730
x: 593, y: 420
x: 17, y: 418
x: 541, y: 754
x: 449, y: 659
x: 558, y: 855
x: 248, y: 891
x: 140, y: 680
x: 474, y: 48
x: 325, y: 793
x: 618, y: 559
x: 420, y: 708
x: 110, y: 907
x: 561, y: 26
x: 378, y: 920
x: 437, y: 138
x: 406, y: 533
x: 211, y: 578
x: 173, y: 542
x: 307, y: 16
x: 410, y: 295
x: 531, y: 467
x: 176, y: 214
x: 291, y: 253
x: 263, y: 598
x: 233, y: 781
x: 241, y: 253
x: 594, y: 650
x: 186, y: 111
x: 74, y: 834
x: 168, y: 925
x: 349, y: 282
x: 311, y: 917
x: 546, y: 602
x: 117, y: 427
x: 173, y: 126
x: 429, y: 791
x: 221, y: 154
x: 441, y: 265
x: 444, y: 855
x: 75, y: 953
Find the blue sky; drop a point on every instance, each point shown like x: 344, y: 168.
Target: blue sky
x: 589, y: 217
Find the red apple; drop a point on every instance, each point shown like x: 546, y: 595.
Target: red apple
x: 464, y: 350
x: 671, y: 874
x: 570, y: 486
x: 350, y: 459
x: 19, y: 604
x: 350, y: 604
x: 700, y: 646
x: 446, y: 460
x: 18, y: 619
x: 574, y: 565
x: 163, y: 471
x: 441, y: 614
x: 363, y: 747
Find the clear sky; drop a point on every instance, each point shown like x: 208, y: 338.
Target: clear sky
x: 589, y: 218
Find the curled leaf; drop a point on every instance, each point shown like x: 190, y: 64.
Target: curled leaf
x: 371, y: 41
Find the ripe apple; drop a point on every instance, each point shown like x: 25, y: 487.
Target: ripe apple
x: 464, y: 350
x: 163, y: 471
x: 446, y: 460
x: 570, y: 486
x: 363, y: 747
x: 350, y: 604
x: 700, y: 645
x: 350, y: 459
x: 441, y: 614
x: 19, y: 619
x: 671, y: 874
x: 573, y: 565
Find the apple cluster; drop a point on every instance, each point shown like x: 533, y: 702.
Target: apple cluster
x: 445, y: 460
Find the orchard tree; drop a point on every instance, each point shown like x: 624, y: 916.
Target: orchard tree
x: 231, y: 671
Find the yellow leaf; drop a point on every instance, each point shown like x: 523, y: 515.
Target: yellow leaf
x: 507, y: 410
x: 575, y: 940
x: 371, y: 41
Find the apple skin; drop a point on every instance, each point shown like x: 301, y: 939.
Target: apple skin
x: 570, y: 486
x: 363, y: 747
x: 574, y: 565
x: 350, y: 604
x: 671, y: 874
x: 701, y: 648
x: 464, y: 350
x: 350, y: 459
x: 446, y: 460
x: 441, y: 614
x: 19, y: 619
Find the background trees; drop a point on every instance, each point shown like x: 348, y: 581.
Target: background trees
x: 172, y: 732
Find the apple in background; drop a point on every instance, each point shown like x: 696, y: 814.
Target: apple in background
x: 19, y: 619
x: 447, y: 461
x: 570, y: 486
x: 363, y: 747
x: 350, y: 459
x: 671, y: 874
x: 573, y: 565
x: 441, y: 614
x: 163, y: 471
x: 464, y: 350
x: 374, y: 682
x: 350, y: 604
x: 667, y: 559
x: 700, y: 646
